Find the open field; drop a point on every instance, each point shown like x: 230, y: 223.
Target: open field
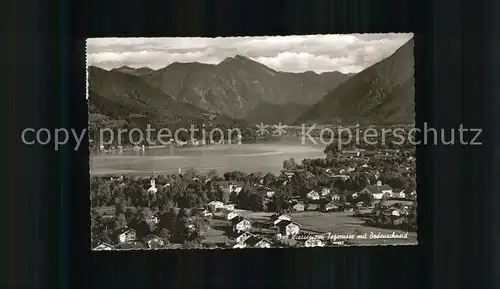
x: 342, y: 223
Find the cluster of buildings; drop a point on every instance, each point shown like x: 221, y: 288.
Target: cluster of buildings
x: 127, y: 240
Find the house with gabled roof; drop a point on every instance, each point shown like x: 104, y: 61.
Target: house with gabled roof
x: 242, y: 237
x: 104, y: 247
x: 126, y: 235
x: 377, y: 191
x: 153, y: 241
x: 241, y: 224
x: 276, y: 218
x: 298, y: 207
x: 313, y: 195
x: 253, y: 242
x: 288, y: 228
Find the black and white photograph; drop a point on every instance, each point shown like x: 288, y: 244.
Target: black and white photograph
x: 252, y: 142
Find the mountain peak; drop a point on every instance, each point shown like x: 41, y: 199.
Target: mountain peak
x: 242, y: 57
x: 237, y: 57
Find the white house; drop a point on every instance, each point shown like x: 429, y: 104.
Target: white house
x: 152, y: 189
x: 377, y: 191
x: 253, y: 242
x: 288, y: 229
x: 104, y: 247
x: 229, y: 215
x: 127, y: 235
x: 270, y: 194
x: 342, y: 177
x: 336, y: 197
x: 313, y: 241
x: 331, y: 207
x: 241, y: 224
x: 153, y: 242
x: 325, y: 192
x: 242, y: 237
x: 397, y: 194
x: 256, y: 242
x: 206, y: 213
x: 313, y: 195
x: 153, y: 219
x: 298, y: 207
x: 215, y: 205
x: 276, y: 218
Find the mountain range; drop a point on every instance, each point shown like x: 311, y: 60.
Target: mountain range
x: 381, y: 94
x: 238, y: 85
x: 241, y: 89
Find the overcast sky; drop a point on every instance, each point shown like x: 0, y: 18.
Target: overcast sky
x: 345, y: 53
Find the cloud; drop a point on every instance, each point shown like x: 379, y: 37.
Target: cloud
x: 319, y: 53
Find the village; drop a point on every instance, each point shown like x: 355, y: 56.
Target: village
x: 352, y: 193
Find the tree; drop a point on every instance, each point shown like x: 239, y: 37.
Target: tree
x: 119, y: 206
x: 289, y: 164
x: 165, y: 235
x: 120, y: 223
x: 191, y: 173
x: 213, y: 173
x: 269, y: 179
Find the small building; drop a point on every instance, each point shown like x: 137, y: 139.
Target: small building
x: 313, y: 195
x: 104, y: 247
x: 257, y: 242
x: 242, y: 237
x: 298, y: 207
x: 270, y: 194
x: 325, y: 192
x: 331, y: 207
x: 311, y: 240
x: 206, y: 213
x: 152, y: 189
x: 153, y: 219
x: 288, y: 229
x: 377, y: 191
x: 241, y: 224
x: 276, y: 218
x: 127, y: 235
x: 253, y: 242
x: 335, y: 197
x: 341, y: 177
x: 153, y: 242
x: 215, y: 205
x: 229, y: 215
x: 398, y: 194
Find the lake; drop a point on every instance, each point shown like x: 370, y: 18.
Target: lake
x: 253, y: 157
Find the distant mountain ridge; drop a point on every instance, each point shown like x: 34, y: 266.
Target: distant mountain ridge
x: 382, y: 93
x: 134, y: 71
x: 238, y: 85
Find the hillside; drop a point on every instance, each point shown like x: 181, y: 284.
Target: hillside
x: 237, y: 85
x: 121, y: 95
x: 382, y: 93
x: 274, y: 113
